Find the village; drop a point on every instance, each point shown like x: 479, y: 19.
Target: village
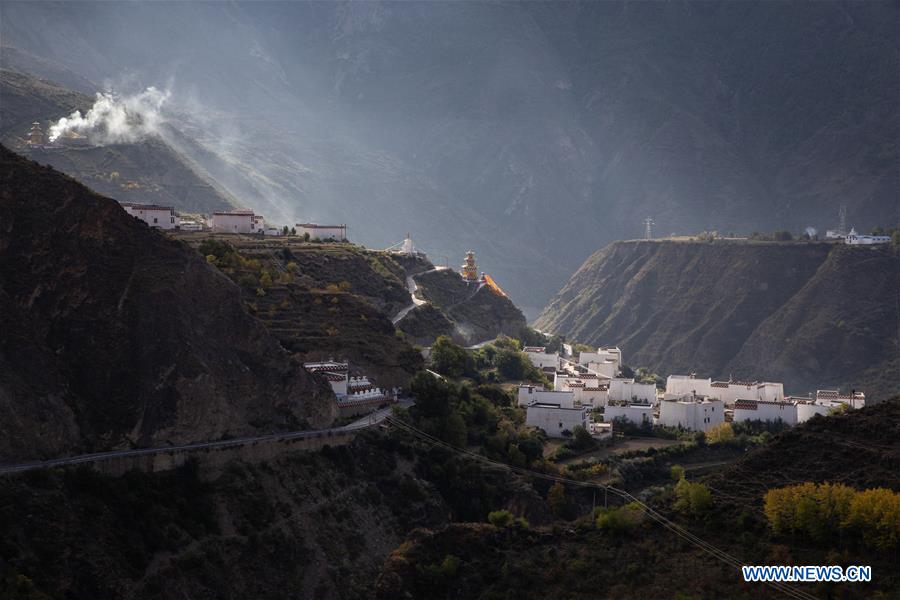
x: 589, y: 391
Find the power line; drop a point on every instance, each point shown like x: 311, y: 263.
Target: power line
x: 681, y: 532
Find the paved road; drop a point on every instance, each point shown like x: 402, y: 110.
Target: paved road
x: 363, y: 423
x: 412, y: 287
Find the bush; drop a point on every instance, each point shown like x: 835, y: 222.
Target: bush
x: 692, y: 499
x: 500, y: 518
x: 677, y: 472
x: 720, y: 434
x: 620, y: 519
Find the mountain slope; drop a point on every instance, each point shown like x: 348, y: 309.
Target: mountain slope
x: 531, y: 132
x: 115, y: 335
x: 811, y: 314
x: 149, y: 171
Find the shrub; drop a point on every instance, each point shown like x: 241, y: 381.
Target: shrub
x: 677, y: 472
x: 500, y: 518
x: 720, y: 434
x: 692, y: 499
x: 619, y: 519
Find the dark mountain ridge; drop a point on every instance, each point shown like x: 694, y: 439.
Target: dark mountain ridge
x: 813, y: 315
x: 114, y: 335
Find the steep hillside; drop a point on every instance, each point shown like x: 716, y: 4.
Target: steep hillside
x: 321, y: 301
x: 645, y: 560
x: 114, y: 335
x: 811, y: 314
x: 477, y: 313
x: 306, y: 525
x: 533, y: 132
x: 148, y: 171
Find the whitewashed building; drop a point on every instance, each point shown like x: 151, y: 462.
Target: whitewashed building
x: 556, y: 420
x: 337, y: 374
x: 627, y: 390
x: 605, y: 361
x: 835, y: 398
x: 322, y: 232
x: 763, y: 410
x: 237, y: 221
x: 639, y: 414
x: 161, y: 217
x: 856, y: 239
x: 681, y: 385
x: 693, y: 413
x: 530, y: 394
x: 540, y: 358
x: 726, y: 391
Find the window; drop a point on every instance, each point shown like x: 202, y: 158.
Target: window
x: 155, y: 220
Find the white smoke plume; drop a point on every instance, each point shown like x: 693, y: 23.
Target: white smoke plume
x: 116, y: 119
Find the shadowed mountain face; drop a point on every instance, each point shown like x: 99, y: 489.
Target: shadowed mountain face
x: 813, y: 315
x: 532, y: 132
x: 114, y: 335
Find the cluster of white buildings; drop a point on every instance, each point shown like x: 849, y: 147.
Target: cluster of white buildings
x: 856, y: 239
x: 234, y: 221
x: 688, y: 402
x: 355, y: 394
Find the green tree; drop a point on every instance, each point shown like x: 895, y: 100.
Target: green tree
x: 449, y: 359
x: 676, y: 472
x: 582, y: 439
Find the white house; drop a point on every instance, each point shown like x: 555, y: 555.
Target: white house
x: 694, y: 413
x: 639, y: 414
x: 555, y: 419
x: 627, y: 390
x: 605, y: 361
x: 529, y: 394
x: 161, y: 217
x: 322, y: 232
x: 337, y: 374
x: 833, y: 398
x: 730, y: 391
x: 540, y: 358
x: 855, y: 239
x: 681, y: 385
x: 763, y: 410
x: 237, y: 221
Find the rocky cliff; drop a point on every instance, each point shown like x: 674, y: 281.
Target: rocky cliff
x: 810, y: 314
x: 114, y: 335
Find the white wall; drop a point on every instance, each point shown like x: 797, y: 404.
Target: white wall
x: 626, y: 390
x: 543, y: 359
x: 321, y: 232
x: 806, y: 411
x: 233, y: 223
x: 554, y: 419
x: 693, y: 415
x: 636, y: 414
x: 680, y: 385
x: 160, y: 217
x: 766, y: 411
x: 529, y: 394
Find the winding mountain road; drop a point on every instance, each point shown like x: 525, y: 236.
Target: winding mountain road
x: 365, y: 422
x: 412, y: 287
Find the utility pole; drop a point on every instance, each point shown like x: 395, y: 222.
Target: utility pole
x: 648, y: 228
